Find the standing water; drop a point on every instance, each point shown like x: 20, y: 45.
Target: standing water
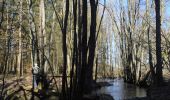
x: 120, y: 90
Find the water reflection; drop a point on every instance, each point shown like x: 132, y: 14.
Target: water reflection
x: 120, y: 90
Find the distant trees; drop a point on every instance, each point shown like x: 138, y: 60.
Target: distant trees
x: 126, y: 28
x: 135, y: 36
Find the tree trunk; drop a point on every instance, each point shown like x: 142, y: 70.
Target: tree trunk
x: 83, y: 47
x: 92, y: 45
x: 74, y: 59
x: 19, y: 65
x: 159, y: 77
x: 42, y: 34
x: 64, y: 31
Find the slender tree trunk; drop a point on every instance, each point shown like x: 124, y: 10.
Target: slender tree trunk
x: 42, y: 34
x: 159, y: 77
x: 79, y: 51
x: 83, y: 47
x: 33, y: 41
x: 19, y: 65
x: 74, y: 59
x: 79, y: 41
x: 92, y: 45
x: 64, y: 32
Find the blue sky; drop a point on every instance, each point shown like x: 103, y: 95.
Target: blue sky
x: 167, y: 10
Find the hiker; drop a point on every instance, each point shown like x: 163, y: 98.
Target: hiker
x: 36, y: 75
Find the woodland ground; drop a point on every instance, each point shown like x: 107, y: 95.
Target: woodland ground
x: 20, y: 89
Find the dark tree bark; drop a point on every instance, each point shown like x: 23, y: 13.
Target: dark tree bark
x: 159, y: 77
x: 74, y: 59
x: 91, y: 45
x: 83, y: 47
x: 64, y: 31
x: 78, y: 84
x: 79, y: 40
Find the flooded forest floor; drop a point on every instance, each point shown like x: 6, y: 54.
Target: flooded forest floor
x: 117, y: 89
x: 105, y: 89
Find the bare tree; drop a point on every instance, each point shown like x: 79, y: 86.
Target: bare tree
x: 19, y: 67
x: 159, y: 77
x: 64, y: 32
x: 42, y: 34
